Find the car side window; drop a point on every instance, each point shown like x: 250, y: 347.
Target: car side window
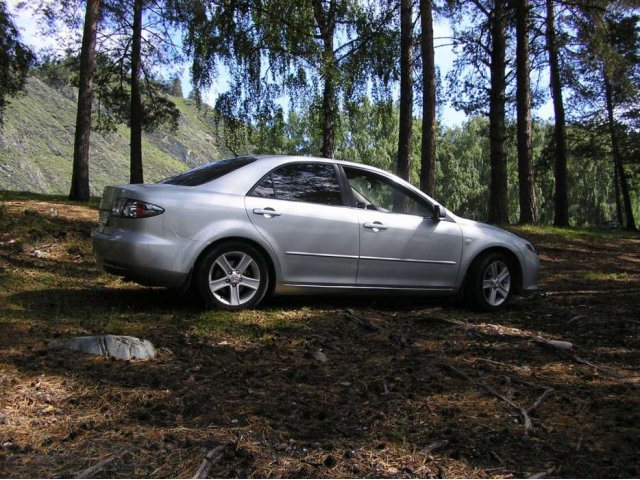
x: 376, y: 192
x: 301, y: 182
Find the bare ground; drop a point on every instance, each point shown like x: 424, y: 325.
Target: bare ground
x: 317, y: 387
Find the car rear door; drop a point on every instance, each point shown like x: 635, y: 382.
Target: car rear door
x: 299, y: 208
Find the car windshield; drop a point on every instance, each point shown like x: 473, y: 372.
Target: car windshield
x: 210, y: 171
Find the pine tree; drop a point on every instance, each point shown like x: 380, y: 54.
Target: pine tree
x: 15, y: 59
x: 80, y: 176
x: 406, y: 90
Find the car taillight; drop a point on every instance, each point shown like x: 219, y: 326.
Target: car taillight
x: 129, y: 208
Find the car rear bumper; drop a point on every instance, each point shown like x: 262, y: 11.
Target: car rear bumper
x: 143, y: 258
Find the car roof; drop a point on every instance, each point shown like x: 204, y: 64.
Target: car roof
x: 243, y: 179
x: 305, y: 158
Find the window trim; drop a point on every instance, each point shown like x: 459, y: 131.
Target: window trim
x: 346, y: 200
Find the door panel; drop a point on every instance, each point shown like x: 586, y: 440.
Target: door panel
x: 316, y: 244
x: 408, y: 251
x: 401, y: 245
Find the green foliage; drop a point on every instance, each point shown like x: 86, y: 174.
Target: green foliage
x: 15, y: 59
x: 58, y: 72
x: 303, y: 50
x: 113, y: 92
x: 368, y: 134
x: 175, y: 87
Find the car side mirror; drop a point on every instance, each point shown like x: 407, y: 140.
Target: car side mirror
x: 438, y: 213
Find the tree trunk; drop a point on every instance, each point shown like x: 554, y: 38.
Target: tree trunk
x: 617, y: 158
x: 428, y: 156
x: 616, y: 191
x: 498, y: 204
x: 325, y: 20
x: 329, y: 112
x: 80, y: 176
x: 406, y: 90
x: 136, y: 97
x: 524, y: 125
x: 561, y: 217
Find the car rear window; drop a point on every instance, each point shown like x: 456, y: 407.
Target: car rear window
x: 210, y: 171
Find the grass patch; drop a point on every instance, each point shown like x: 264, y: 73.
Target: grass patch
x: 249, y: 324
x: 597, y: 275
x: 94, y: 202
x: 574, y: 233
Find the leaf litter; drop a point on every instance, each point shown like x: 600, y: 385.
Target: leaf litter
x: 316, y: 387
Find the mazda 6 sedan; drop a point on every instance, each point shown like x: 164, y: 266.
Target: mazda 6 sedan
x: 237, y: 230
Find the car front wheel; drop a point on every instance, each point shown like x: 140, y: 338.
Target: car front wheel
x: 233, y: 276
x: 490, y: 282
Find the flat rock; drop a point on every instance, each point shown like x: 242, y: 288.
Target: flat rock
x: 111, y: 346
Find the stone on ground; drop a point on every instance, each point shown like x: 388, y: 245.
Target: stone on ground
x: 112, y: 346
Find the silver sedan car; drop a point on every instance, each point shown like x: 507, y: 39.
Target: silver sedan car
x: 239, y: 229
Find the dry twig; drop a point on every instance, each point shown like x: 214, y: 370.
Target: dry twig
x: 213, y: 457
x: 544, y: 474
x: 97, y: 468
x: 528, y: 426
x: 363, y: 322
x: 435, y: 446
x: 541, y: 399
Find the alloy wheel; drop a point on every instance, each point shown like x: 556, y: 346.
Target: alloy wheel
x: 234, y: 278
x: 496, y: 283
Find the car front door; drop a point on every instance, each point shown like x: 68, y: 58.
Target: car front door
x: 401, y: 244
x: 299, y: 208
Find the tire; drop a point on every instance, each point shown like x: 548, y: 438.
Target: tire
x: 233, y: 276
x: 490, y: 282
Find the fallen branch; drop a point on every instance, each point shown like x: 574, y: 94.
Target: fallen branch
x: 442, y: 319
x: 577, y: 317
x: 545, y: 473
x: 213, y: 457
x: 541, y: 399
x: 363, y: 322
x: 435, y: 446
x: 526, y: 383
x: 97, y: 468
x: 566, y: 349
x: 528, y: 426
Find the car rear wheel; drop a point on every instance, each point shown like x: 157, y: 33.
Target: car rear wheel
x: 233, y: 276
x: 490, y: 282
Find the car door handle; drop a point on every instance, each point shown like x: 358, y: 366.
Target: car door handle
x: 375, y: 226
x: 267, y: 212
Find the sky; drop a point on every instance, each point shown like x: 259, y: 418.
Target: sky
x: 444, y: 57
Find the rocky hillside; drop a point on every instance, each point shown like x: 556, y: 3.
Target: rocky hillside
x: 36, y: 144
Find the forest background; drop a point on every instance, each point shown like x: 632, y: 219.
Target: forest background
x: 347, y: 79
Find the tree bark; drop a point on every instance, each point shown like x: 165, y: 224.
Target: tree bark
x: 617, y: 158
x: 616, y: 191
x: 561, y: 202
x: 428, y: 155
x: 526, y: 181
x: 80, y: 176
x: 325, y: 20
x: 406, y: 90
x: 498, y: 202
x: 136, y: 97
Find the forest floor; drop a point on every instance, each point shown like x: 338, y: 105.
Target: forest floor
x: 316, y: 387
